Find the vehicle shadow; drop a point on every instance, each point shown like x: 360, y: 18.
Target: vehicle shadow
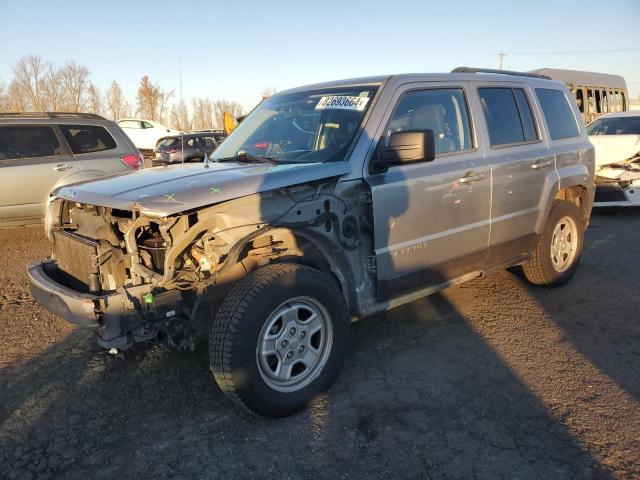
x: 423, y: 395
x: 611, y: 341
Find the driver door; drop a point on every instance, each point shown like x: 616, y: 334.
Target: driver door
x: 431, y: 219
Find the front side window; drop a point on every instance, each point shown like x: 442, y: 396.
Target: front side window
x: 28, y: 142
x: 508, y: 116
x: 87, y: 138
x: 146, y: 125
x: 558, y: 113
x: 442, y: 110
x: 615, y: 126
x: 307, y: 126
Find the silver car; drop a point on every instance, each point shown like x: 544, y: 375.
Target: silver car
x: 40, y: 152
x: 328, y: 203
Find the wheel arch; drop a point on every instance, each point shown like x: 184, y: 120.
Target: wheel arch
x: 304, y: 247
x: 575, y: 189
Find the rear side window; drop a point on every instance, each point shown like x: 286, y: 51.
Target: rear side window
x: 208, y: 142
x: 87, y: 138
x: 168, y: 142
x: 129, y: 124
x: 526, y: 117
x: 508, y: 115
x: 28, y: 142
x: 558, y: 113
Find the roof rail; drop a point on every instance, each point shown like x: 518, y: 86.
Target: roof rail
x: 51, y: 115
x: 503, y: 72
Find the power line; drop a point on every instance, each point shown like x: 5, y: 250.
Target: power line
x: 578, y: 52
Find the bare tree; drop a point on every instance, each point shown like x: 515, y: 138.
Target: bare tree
x: 116, y: 103
x: 220, y: 106
x: 28, y: 74
x: 153, y: 100
x: 4, y: 98
x: 204, y: 116
x: 268, y: 91
x: 179, y: 117
x: 15, y: 99
x: 94, y: 99
x: 52, y: 89
x: 75, y: 80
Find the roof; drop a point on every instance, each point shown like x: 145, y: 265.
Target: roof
x: 50, y: 115
x: 577, y: 77
x: 629, y: 113
x: 484, y: 76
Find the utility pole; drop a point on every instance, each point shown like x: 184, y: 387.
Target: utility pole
x: 501, y: 55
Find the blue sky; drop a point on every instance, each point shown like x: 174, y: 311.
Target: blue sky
x: 234, y: 49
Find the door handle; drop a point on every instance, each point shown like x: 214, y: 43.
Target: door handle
x: 536, y: 166
x: 61, y: 167
x: 472, y: 177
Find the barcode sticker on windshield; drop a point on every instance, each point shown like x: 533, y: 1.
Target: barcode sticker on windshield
x: 336, y: 102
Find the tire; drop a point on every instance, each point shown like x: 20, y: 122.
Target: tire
x: 260, y: 356
x: 554, y: 267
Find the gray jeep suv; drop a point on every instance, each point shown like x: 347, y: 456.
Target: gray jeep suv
x: 328, y: 203
x: 42, y: 151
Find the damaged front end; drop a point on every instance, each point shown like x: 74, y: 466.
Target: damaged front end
x: 134, y: 276
x: 619, y: 183
x: 617, y: 170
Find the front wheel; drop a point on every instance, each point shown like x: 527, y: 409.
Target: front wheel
x: 279, y: 339
x: 559, y: 247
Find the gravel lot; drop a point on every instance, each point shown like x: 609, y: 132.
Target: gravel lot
x: 493, y: 379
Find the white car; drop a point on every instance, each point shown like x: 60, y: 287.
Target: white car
x: 616, y: 138
x: 145, y: 133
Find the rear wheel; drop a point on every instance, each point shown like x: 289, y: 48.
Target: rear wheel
x: 559, y: 247
x: 279, y: 339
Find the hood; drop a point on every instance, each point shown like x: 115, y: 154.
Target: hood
x: 614, y: 148
x: 163, y: 191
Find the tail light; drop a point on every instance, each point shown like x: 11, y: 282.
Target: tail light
x: 261, y: 145
x: 134, y: 161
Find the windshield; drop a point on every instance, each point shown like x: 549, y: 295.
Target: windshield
x: 308, y: 126
x: 615, y: 126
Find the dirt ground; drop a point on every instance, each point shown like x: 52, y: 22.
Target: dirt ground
x: 493, y: 379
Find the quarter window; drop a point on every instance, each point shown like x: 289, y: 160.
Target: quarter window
x: 28, y: 142
x: 558, y: 113
x: 87, y: 138
x: 442, y: 110
x: 508, y: 115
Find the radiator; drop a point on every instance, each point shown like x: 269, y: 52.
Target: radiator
x: 76, y: 255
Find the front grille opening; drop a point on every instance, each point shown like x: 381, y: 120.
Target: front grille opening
x: 76, y: 258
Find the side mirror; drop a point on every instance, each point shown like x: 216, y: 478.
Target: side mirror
x: 409, y: 146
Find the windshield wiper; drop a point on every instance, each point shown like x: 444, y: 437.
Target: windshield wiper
x: 247, y: 157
